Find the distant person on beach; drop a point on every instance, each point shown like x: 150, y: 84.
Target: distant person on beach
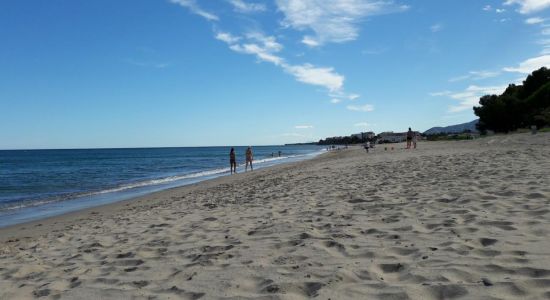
x: 232, y: 161
x: 409, y: 138
x: 249, y: 158
x: 415, y: 138
x: 279, y: 153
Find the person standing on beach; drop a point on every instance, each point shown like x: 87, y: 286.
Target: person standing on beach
x: 415, y: 138
x: 409, y: 138
x: 232, y: 161
x: 249, y: 158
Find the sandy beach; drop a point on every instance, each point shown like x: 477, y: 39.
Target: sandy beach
x: 450, y: 220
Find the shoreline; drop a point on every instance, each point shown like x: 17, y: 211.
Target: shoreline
x: 87, y: 202
x: 449, y: 220
x: 35, y: 228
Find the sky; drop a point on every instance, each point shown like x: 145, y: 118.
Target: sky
x: 154, y: 73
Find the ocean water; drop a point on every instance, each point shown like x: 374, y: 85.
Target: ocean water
x: 35, y: 184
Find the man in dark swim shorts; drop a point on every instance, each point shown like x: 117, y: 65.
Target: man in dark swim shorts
x: 409, y: 138
x: 232, y: 161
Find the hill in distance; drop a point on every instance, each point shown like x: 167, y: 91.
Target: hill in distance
x: 459, y: 128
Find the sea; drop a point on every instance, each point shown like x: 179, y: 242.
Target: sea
x: 36, y: 184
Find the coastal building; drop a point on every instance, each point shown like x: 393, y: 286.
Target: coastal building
x: 364, y: 135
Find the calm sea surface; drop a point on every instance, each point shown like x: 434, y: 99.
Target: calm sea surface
x: 40, y: 183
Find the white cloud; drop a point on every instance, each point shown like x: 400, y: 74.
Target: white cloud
x: 364, y: 108
x: 436, y: 27
x: 531, y: 65
x: 470, y: 96
x: 534, y: 20
x: 487, y: 8
x: 529, y: 6
x: 332, y: 20
x: 269, y: 42
x: 265, y: 48
x: 500, y: 10
x: 227, y: 37
x: 303, y: 126
x: 320, y: 76
x: 261, y: 53
x: 353, y: 96
x: 476, y: 75
x: 195, y: 8
x: 335, y: 100
x: 245, y: 7
x: 307, y: 40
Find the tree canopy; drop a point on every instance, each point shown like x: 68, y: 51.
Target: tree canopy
x: 520, y: 106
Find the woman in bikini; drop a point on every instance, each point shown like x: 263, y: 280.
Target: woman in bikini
x: 249, y: 158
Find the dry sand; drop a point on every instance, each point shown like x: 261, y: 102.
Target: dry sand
x: 449, y: 220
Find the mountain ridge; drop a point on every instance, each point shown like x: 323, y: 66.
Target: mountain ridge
x: 458, y: 128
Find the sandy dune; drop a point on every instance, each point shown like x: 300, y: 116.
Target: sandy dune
x: 451, y: 220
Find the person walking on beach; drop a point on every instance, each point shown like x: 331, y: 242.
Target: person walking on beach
x: 249, y: 158
x: 415, y: 138
x: 409, y: 138
x: 232, y: 161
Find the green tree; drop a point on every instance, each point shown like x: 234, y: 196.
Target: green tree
x: 518, y: 107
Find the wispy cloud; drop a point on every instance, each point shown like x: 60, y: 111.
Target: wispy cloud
x: 303, y: 126
x: 196, y: 9
x: 545, y: 46
x: 310, y: 41
x: 363, y: 108
x: 335, y: 100
x: 534, y: 20
x: 469, y: 97
x: 529, y: 6
x: 496, y: 10
x: 265, y: 48
x: 436, y: 27
x: 147, y: 64
x: 313, y: 75
x: 227, y: 37
x: 476, y: 75
x: 353, y: 96
x: 246, y: 7
x: 531, y: 65
x: 331, y: 20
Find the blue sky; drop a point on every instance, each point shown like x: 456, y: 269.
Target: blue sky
x: 78, y: 74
